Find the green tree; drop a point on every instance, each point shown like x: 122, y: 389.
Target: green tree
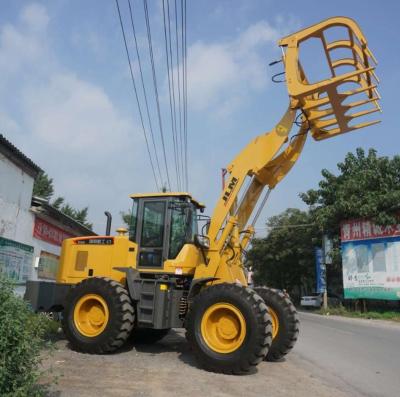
x: 21, y: 339
x: 367, y: 186
x: 78, y: 215
x: 58, y: 202
x: 43, y: 186
x: 126, y: 218
x: 285, y: 258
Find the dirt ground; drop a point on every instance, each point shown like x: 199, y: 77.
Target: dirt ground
x: 168, y: 368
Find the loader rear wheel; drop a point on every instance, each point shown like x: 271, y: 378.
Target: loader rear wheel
x: 98, y: 316
x: 229, y: 328
x: 285, y: 322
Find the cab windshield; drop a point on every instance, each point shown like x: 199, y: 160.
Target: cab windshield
x: 183, y: 226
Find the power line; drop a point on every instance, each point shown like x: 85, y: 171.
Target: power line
x: 285, y: 226
x: 179, y: 88
x: 173, y: 90
x: 144, y: 89
x: 136, y: 94
x: 173, y: 122
x: 156, y: 88
x: 184, y: 48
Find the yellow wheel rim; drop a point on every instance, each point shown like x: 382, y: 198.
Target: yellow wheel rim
x: 223, y: 328
x: 91, y: 315
x: 275, y: 322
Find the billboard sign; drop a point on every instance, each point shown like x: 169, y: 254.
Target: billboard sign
x: 47, y: 232
x: 371, y: 260
x: 15, y: 260
x: 320, y: 270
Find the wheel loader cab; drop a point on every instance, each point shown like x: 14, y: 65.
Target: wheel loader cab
x: 164, y: 225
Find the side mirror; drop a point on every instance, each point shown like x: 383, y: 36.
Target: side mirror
x: 202, y: 242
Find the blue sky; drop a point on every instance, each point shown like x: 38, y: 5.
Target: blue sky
x: 66, y: 97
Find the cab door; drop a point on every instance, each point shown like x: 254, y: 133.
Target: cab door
x: 152, y: 236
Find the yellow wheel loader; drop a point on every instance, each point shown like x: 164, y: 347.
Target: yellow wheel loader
x: 165, y: 274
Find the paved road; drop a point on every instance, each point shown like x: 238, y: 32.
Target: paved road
x: 361, y: 357
x: 334, y: 357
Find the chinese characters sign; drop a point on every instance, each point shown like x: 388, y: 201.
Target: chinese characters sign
x: 371, y: 260
x: 49, y: 233
x: 15, y: 260
x: 320, y: 268
x: 365, y: 229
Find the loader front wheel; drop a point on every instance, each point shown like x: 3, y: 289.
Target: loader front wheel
x: 98, y: 316
x: 285, y: 322
x: 229, y: 328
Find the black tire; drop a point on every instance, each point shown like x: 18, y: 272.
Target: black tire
x: 258, y: 334
x: 148, y: 335
x: 120, y: 319
x: 288, y: 320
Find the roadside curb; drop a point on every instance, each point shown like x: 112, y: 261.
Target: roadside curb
x: 362, y: 321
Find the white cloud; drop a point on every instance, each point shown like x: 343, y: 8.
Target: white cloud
x: 75, y: 116
x: 35, y: 17
x: 67, y: 125
x: 8, y: 124
x: 221, y: 75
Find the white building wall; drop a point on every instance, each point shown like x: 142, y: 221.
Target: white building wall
x: 16, y: 220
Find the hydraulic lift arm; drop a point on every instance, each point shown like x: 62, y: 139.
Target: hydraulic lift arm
x: 326, y: 110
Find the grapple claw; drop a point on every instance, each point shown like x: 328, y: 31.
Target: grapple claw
x: 326, y: 103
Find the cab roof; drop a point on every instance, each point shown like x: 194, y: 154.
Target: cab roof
x: 168, y: 194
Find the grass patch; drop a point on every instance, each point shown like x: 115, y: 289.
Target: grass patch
x: 375, y: 315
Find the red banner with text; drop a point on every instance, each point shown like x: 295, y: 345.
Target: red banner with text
x: 47, y: 232
x: 363, y: 229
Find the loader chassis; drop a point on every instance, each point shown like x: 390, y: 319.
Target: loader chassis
x: 167, y: 273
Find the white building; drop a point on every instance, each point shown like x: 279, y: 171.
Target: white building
x: 31, y: 230
x: 17, y: 175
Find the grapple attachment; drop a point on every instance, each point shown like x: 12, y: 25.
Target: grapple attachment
x: 333, y: 105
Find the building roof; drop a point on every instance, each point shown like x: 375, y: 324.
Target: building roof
x: 44, y: 209
x: 168, y: 194
x: 18, y: 158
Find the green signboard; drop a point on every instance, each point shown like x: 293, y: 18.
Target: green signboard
x: 15, y: 260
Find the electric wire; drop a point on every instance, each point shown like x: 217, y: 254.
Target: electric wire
x: 156, y: 89
x: 178, y: 67
x: 136, y: 95
x: 144, y: 89
x: 184, y: 24
x: 174, y: 137
x: 173, y: 89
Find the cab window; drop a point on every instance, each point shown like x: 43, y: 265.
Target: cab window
x: 133, y: 221
x: 153, y: 224
x: 183, y: 227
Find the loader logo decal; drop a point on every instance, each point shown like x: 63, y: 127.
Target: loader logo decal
x: 230, y: 189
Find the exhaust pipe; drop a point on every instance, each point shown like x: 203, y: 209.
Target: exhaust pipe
x: 108, y: 227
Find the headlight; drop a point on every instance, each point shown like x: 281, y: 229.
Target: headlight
x: 201, y: 241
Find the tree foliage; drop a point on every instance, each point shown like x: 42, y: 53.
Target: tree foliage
x: 367, y: 186
x: 79, y: 215
x: 126, y: 218
x: 43, y: 187
x: 21, y: 340
x: 285, y: 258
